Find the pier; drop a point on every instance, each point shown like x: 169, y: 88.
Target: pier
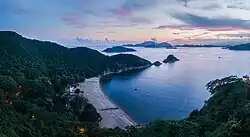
x: 104, y: 109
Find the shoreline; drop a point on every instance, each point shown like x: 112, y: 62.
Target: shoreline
x: 112, y: 117
x: 124, y: 70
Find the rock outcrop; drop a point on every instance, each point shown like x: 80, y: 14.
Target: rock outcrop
x: 170, y: 59
x: 157, y: 63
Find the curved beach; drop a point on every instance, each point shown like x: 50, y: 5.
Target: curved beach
x: 111, y: 117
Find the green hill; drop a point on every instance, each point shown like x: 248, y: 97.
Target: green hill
x: 15, y: 48
x: 118, y: 49
x: 33, y: 75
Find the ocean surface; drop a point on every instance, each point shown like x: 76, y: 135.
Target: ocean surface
x: 172, y: 91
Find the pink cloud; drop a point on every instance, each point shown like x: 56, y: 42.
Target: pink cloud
x: 105, y: 32
x: 187, y: 27
x: 225, y: 29
x: 181, y: 27
x: 122, y: 12
x: 74, y: 21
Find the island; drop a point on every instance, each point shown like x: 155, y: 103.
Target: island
x: 240, y: 47
x: 170, y: 59
x: 166, y: 45
x: 199, y: 46
x: 151, y: 44
x: 157, y: 63
x: 118, y: 49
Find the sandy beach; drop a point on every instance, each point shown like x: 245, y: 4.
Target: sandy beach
x: 111, y: 118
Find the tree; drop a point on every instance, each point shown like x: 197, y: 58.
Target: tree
x: 89, y: 114
x: 194, y: 114
x: 214, y: 84
x: 77, y: 103
x: 32, y: 73
x: 7, y: 83
x: 2, y: 95
x: 19, y: 78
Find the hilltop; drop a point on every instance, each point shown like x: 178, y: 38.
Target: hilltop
x: 118, y: 49
x: 151, y: 44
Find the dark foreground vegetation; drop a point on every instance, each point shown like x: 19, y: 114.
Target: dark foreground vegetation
x: 33, y: 80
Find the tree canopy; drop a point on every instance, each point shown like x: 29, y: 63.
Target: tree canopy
x: 33, y: 77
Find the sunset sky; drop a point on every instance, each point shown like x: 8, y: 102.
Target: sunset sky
x: 174, y: 21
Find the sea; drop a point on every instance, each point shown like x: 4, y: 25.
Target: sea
x: 172, y: 91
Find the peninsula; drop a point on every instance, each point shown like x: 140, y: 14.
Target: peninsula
x: 118, y: 49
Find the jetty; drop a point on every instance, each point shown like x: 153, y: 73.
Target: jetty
x: 109, y: 109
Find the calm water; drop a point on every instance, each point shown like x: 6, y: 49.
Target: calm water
x: 172, y: 91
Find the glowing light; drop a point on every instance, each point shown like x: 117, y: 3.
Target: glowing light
x: 18, y: 93
x: 82, y: 130
x: 33, y: 118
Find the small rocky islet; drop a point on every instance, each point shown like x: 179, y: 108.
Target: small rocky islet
x: 157, y: 63
x: 171, y: 59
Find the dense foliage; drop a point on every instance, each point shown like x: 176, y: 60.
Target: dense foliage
x: 33, y: 80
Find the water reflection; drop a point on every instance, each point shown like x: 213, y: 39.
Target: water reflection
x: 172, y: 91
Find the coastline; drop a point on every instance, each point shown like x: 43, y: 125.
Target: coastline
x: 111, y: 73
x: 111, y: 118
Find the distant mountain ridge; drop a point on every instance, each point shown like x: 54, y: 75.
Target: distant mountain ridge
x: 198, y: 46
x: 151, y: 44
x: 240, y: 47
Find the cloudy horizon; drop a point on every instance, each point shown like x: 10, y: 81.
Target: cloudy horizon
x: 129, y: 21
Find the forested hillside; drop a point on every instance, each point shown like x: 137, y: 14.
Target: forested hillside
x: 33, y: 77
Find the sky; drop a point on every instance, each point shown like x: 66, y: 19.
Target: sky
x: 129, y: 21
